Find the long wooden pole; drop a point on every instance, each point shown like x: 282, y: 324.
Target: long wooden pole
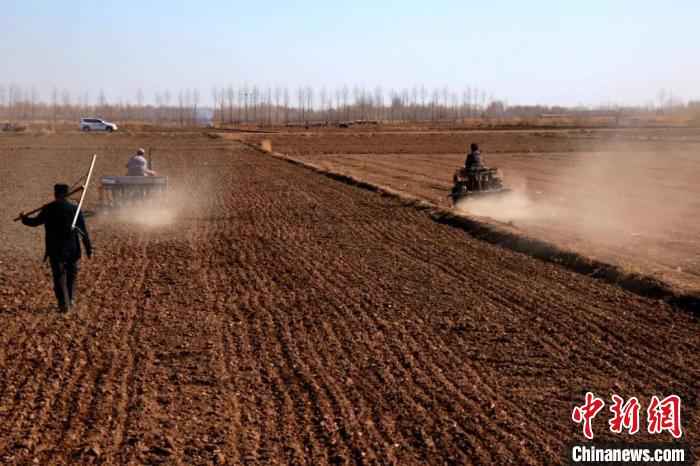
x: 32, y: 212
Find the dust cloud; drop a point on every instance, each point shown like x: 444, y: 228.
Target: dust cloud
x: 161, y: 211
x: 145, y: 214
x: 603, y: 196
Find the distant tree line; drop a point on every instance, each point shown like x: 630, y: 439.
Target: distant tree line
x: 19, y: 104
x: 280, y: 105
x: 252, y: 104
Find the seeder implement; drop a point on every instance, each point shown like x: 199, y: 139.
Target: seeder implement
x: 476, y: 183
x: 117, y: 191
x: 121, y: 191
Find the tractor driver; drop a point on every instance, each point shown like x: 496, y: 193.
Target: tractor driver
x: 138, y: 165
x: 473, y: 161
x: 473, y: 165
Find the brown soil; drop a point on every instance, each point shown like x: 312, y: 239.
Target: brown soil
x: 625, y: 197
x: 276, y: 316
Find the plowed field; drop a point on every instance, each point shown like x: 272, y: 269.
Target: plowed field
x: 275, y: 316
x: 628, y: 197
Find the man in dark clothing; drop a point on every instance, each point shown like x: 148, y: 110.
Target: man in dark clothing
x: 473, y: 161
x: 62, y: 243
x: 473, y: 165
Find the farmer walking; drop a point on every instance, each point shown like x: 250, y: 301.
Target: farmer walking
x: 62, y: 243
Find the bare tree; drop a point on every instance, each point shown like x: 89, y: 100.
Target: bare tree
x: 181, y: 105
x: 414, y: 102
x: 195, y: 103
x: 255, y: 95
x: 167, y: 98
x: 661, y: 96
x: 66, y: 104
x: 445, y: 101
x: 12, y: 100
x: 301, y: 98
x: 378, y: 102
x: 356, y: 99
x: 395, y: 105
x: 3, y: 99
x: 405, y: 99
x: 246, y: 94
x: 323, y: 95
x: 338, y: 104
x: 310, y: 99
x: 54, y: 105
x: 221, y: 103
x: 187, y: 105
x: 33, y: 100
x: 285, y: 97
x: 215, y: 98
x: 159, y: 107
x: 86, y: 101
x: 268, y: 105
x: 278, y: 97
x: 346, y: 96
x: 434, y: 104
x: 139, y: 103
x: 423, y: 93
x: 454, y: 104
x: 102, y: 99
x: 231, y: 96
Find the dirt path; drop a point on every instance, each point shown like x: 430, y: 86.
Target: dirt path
x: 286, y: 318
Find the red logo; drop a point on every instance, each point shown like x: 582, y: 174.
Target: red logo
x: 625, y: 416
x: 665, y: 415
x: 587, y: 412
x: 662, y: 415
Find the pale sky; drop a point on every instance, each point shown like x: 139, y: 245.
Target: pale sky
x: 528, y: 52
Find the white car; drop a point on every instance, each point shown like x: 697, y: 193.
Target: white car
x: 96, y: 124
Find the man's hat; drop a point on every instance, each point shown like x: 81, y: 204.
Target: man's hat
x: 60, y: 190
